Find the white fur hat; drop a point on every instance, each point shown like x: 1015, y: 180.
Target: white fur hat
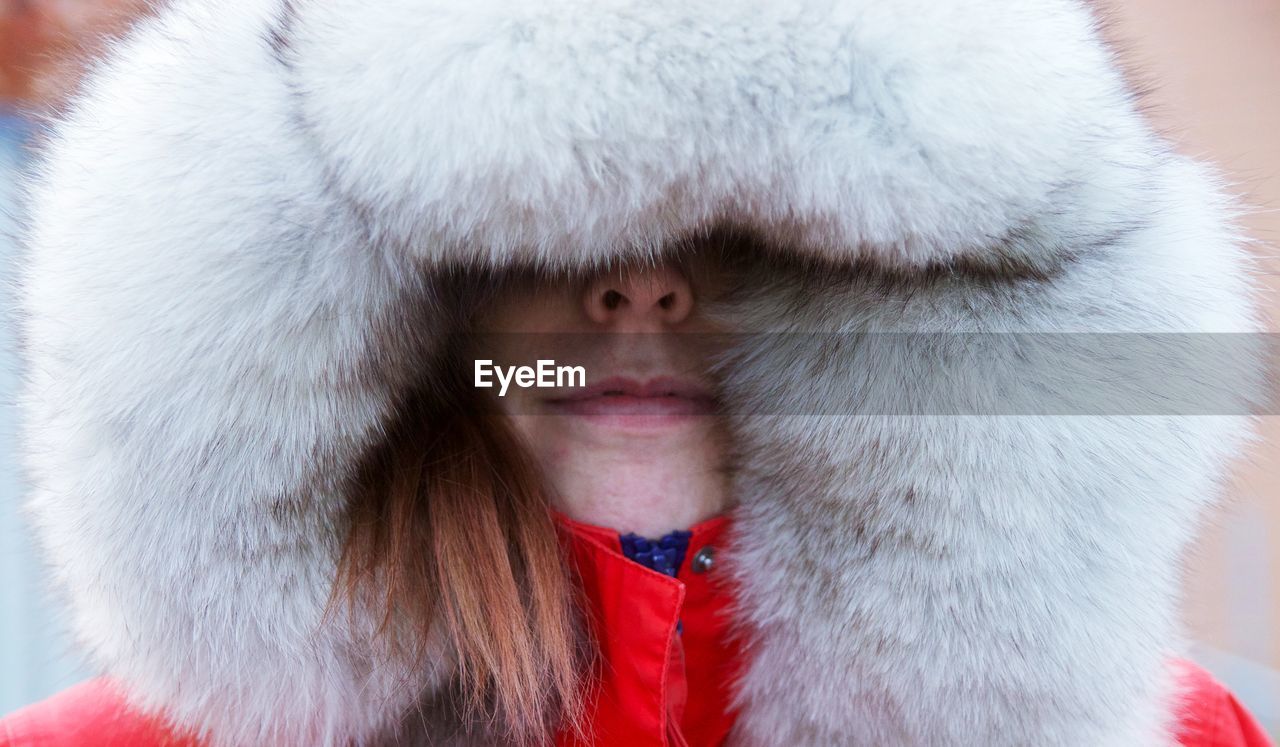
x: 228, y: 287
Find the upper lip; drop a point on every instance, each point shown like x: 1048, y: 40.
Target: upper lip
x: 661, y: 386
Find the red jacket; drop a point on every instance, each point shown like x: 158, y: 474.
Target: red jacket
x: 656, y: 686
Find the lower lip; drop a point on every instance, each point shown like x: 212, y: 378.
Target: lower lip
x: 631, y: 410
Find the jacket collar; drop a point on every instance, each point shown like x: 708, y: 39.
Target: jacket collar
x: 655, y: 682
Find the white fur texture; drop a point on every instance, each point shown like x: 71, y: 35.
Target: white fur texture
x: 228, y: 286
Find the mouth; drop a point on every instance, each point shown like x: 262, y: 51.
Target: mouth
x: 663, y: 398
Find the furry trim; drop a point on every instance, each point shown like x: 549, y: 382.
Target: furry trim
x: 228, y: 287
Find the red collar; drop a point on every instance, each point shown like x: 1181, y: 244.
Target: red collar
x: 654, y: 686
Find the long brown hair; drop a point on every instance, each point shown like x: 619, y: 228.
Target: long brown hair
x: 450, y: 525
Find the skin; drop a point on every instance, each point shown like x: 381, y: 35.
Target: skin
x: 635, y: 459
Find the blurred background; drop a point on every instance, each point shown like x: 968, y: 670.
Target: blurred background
x: 1215, y: 73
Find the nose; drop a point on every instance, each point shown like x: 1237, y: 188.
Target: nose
x: 640, y: 299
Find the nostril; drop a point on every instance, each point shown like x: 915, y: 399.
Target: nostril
x: 644, y: 297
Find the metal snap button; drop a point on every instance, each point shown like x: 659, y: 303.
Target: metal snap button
x: 703, y: 560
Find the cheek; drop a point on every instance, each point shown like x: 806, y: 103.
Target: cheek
x: 545, y: 438
x: 547, y: 309
x: 524, y: 328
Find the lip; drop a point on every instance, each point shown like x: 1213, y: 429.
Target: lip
x: 653, y: 401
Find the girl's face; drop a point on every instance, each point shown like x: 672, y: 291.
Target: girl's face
x: 634, y: 400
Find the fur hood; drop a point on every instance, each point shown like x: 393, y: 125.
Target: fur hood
x: 229, y: 284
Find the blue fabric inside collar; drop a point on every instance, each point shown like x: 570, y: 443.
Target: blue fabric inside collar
x: 664, y: 555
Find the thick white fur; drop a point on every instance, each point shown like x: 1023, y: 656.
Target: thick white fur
x: 228, y: 285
